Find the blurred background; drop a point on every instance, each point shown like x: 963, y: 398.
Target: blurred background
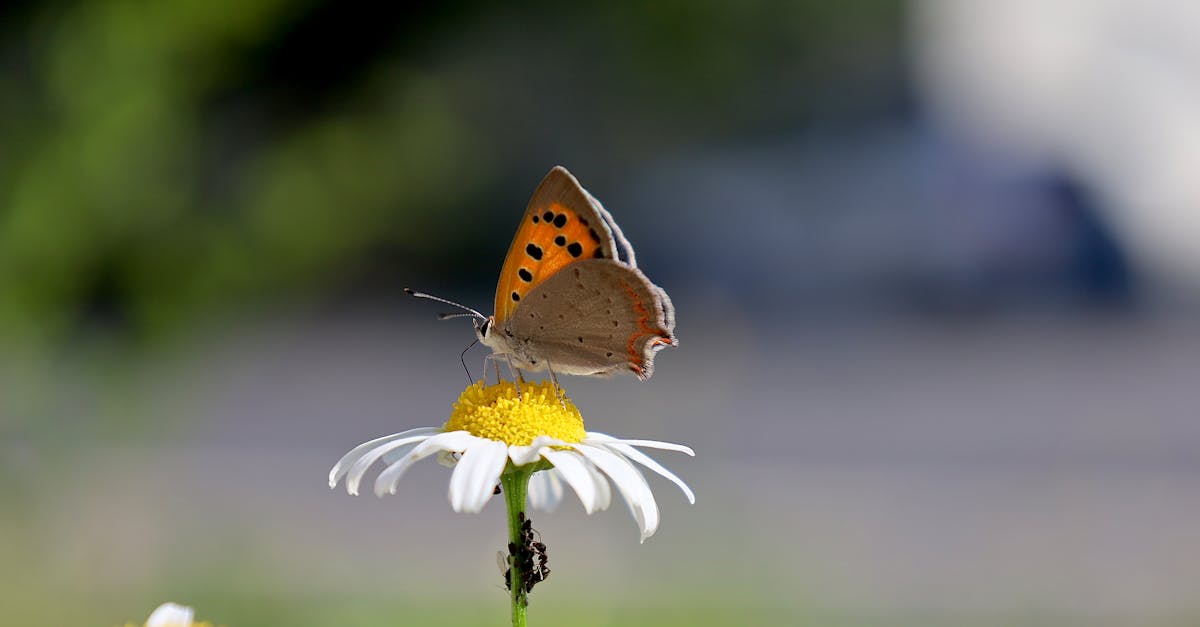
x: 936, y: 266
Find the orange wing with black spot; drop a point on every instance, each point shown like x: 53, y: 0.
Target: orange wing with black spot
x: 562, y: 224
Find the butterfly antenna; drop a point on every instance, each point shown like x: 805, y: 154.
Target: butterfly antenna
x: 472, y: 312
x: 463, y: 358
x: 451, y: 316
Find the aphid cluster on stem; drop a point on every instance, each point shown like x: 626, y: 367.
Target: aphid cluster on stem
x: 530, y: 555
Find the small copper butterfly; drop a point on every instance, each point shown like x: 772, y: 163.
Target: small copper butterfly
x: 570, y: 296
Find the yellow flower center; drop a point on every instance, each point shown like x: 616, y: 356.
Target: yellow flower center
x: 494, y: 412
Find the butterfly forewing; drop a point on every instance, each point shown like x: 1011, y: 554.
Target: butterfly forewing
x: 598, y: 316
x: 560, y: 226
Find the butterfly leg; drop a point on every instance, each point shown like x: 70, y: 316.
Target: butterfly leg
x: 557, y: 388
x: 517, y: 375
x: 490, y: 360
x: 496, y: 363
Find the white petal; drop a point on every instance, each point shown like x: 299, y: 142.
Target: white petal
x: 643, y: 459
x: 594, y: 436
x: 452, y: 441
x: 546, y: 490
x: 603, y: 490
x: 394, y: 455
x: 170, y: 615
x: 522, y: 455
x: 448, y: 459
x: 475, y: 477
x: 360, y: 467
x: 340, y: 468
x: 630, y: 483
x: 573, y: 468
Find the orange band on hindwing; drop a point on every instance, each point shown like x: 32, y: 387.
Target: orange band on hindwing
x: 637, y: 358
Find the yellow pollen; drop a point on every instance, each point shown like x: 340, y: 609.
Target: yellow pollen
x: 494, y: 412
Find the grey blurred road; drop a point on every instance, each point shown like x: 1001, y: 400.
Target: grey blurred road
x: 964, y: 471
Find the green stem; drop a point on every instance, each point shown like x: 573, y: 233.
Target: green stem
x: 515, y: 483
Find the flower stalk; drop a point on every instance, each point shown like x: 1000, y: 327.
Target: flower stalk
x: 515, y: 485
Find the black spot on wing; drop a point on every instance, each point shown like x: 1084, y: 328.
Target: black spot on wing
x: 560, y: 220
x: 516, y: 297
x: 548, y: 216
x: 575, y: 249
x: 595, y: 236
x: 533, y: 250
x: 561, y: 240
x: 536, y: 219
x: 525, y: 275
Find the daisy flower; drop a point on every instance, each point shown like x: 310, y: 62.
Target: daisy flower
x: 493, y: 429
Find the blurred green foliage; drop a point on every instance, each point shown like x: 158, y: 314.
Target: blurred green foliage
x: 125, y: 186
x: 162, y: 161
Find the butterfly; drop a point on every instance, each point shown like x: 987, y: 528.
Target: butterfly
x: 570, y: 298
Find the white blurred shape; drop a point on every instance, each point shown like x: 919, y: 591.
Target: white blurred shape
x: 170, y: 615
x: 1106, y: 90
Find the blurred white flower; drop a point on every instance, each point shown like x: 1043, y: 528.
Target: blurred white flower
x: 173, y: 615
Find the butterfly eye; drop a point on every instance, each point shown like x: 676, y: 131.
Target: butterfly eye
x: 483, y: 328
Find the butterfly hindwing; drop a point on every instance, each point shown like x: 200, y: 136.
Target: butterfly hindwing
x: 597, y: 317
x: 562, y: 224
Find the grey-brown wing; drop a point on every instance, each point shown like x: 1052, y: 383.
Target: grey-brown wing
x: 596, y: 317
